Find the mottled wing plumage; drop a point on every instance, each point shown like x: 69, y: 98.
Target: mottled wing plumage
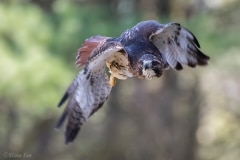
x: 178, y: 46
x: 89, y: 90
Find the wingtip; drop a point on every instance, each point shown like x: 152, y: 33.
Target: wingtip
x: 202, y: 58
x: 196, y: 41
x: 64, y: 98
x: 71, y: 134
x: 61, y: 120
x: 56, y: 129
x: 193, y: 38
x: 178, y: 66
x: 203, y: 62
x: 68, y: 141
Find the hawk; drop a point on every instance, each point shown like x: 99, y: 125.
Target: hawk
x: 143, y: 51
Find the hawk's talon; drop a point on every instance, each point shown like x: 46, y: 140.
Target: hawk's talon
x: 112, y: 81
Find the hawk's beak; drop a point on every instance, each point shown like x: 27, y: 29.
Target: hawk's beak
x: 151, y: 65
x: 147, y: 65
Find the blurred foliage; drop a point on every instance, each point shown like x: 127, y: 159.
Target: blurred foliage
x: 38, y: 42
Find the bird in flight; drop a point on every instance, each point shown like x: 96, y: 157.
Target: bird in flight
x: 143, y: 51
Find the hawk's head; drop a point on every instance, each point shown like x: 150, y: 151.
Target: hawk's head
x: 150, y: 66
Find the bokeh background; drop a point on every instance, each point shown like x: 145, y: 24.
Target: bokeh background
x: 193, y: 114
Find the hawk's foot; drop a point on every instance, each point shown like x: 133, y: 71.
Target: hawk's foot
x: 112, y: 81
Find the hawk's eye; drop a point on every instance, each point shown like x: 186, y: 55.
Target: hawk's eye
x: 155, y: 63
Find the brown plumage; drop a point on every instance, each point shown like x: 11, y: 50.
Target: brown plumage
x: 144, y: 51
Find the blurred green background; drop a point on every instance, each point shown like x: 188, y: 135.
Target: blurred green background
x: 189, y: 115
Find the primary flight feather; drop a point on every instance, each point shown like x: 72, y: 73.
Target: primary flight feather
x: 143, y: 51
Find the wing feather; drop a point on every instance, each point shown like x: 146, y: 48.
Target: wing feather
x: 87, y: 47
x: 178, y: 46
x: 89, y: 90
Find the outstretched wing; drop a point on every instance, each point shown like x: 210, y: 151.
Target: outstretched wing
x: 178, y: 46
x: 89, y: 90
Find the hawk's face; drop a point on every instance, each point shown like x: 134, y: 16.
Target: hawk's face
x: 150, y: 66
